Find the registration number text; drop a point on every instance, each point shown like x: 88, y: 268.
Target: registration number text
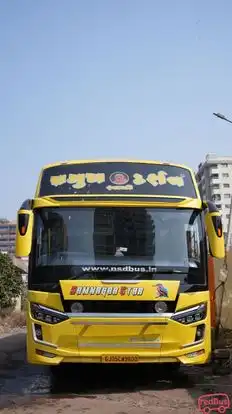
x: 120, y: 359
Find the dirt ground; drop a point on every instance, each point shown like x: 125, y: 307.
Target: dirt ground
x: 28, y: 389
x: 148, y: 402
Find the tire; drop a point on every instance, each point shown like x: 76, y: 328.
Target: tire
x: 173, y: 367
x: 170, y: 370
x: 57, y: 378
x: 58, y: 371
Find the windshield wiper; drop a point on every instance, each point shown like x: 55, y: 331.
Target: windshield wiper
x: 159, y: 271
x: 84, y: 275
x: 170, y: 270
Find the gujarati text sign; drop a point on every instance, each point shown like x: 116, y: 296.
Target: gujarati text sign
x: 120, y: 178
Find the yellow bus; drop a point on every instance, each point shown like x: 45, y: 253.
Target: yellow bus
x: 118, y: 264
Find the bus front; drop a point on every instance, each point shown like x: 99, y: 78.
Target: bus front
x: 119, y: 279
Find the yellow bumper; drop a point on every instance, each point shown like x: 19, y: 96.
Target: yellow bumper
x: 140, y: 338
x: 125, y: 340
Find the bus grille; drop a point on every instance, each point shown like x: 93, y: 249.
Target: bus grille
x: 117, y: 306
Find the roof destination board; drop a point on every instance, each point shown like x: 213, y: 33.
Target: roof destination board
x: 131, y: 178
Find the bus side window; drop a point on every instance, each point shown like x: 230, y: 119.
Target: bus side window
x: 193, y: 242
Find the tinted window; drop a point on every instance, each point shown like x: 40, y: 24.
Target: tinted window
x: 69, y: 240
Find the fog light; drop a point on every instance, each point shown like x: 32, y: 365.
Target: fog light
x: 38, y: 331
x: 161, y: 307
x: 195, y: 354
x: 77, y: 307
x: 45, y: 353
x: 200, y: 331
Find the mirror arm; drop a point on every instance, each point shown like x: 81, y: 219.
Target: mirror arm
x: 210, y: 206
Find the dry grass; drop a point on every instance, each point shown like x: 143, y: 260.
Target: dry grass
x: 10, y: 321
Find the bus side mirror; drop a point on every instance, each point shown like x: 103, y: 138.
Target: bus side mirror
x: 214, y: 230
x: 25, y: 220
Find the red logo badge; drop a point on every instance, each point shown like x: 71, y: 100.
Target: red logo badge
x: 73, y: 290
x: 219, y: 402
x: 123, y: 290
x: 119, y: 178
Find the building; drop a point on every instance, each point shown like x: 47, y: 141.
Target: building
x: 7, y: 236
x: 214, y: 177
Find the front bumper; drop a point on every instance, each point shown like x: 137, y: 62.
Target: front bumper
x: 127, y: 338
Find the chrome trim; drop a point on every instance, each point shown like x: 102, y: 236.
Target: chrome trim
x: 105, y: 323
x: 39, y: 341
x: 193, y: 343
x: 46, y: 354
x: 125, y: 282
x: 45, y: 308
x: 189, y: 309
x: 139, y: 339
x: 119, y: 315
x: 117, y: 345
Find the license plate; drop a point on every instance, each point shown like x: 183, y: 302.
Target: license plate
x: 120, y: 359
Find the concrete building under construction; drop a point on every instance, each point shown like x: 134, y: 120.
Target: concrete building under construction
x: 7, y: 236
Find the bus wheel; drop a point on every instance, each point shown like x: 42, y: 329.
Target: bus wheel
x: 171, y: 369
x: 57, y: 372
x: 57, y: 378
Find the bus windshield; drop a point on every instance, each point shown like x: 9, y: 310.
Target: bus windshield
x: 71, y: 242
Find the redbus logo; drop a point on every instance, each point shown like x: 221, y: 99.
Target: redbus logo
x: 213, y: 402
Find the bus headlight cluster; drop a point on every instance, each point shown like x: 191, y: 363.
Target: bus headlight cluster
x: 43, y: 314
x: 191, y: 315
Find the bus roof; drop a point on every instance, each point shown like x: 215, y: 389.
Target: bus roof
x: 116, y: 160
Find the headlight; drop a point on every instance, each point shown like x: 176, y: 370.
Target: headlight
x: 191, y: 315
x: 47, y: 315
x: 161, y: 307
x: 77, y: 307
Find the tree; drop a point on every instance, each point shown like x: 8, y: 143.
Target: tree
x: 11, y: 283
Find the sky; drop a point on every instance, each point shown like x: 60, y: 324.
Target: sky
x: 87, y: 79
